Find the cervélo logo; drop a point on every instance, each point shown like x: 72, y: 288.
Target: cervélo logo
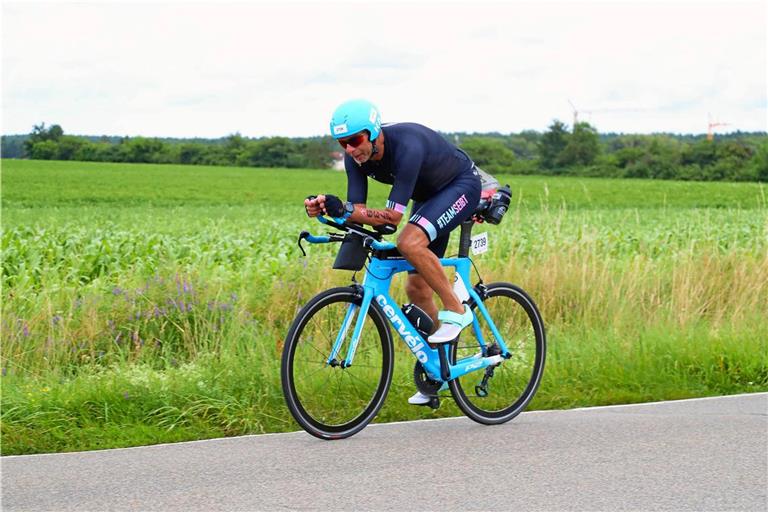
x: 413, y: 342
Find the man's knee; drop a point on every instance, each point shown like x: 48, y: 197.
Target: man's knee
x: 412, y: 239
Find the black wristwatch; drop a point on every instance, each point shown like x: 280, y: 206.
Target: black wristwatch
x: 349, y: 209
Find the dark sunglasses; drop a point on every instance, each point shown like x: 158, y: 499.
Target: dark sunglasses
x: 354, y: 140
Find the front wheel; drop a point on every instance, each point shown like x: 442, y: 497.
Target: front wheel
x: 498, y: 394
x: 331, y: 401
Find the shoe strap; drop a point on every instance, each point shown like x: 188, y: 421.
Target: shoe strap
x: 458, y: 319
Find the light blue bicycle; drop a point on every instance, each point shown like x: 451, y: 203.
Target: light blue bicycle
x: 338, y: 356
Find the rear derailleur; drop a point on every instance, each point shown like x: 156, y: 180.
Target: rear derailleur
x: 482, y: 389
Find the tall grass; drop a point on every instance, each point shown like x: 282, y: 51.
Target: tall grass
x: 140, y: 307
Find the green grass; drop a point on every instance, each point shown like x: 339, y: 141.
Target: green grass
x: 148, y: 303
x: 60, y: 184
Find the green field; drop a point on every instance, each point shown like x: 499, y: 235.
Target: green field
x: 148, y: 303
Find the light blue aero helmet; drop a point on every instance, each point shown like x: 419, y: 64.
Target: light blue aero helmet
x: 354, y: 116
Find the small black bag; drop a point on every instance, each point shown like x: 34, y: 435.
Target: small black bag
x: 351, y: 254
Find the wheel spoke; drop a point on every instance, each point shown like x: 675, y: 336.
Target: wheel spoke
x: 514, y: 381
x: 333, y: 400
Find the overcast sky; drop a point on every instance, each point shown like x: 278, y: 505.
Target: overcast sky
x: 198, y: 69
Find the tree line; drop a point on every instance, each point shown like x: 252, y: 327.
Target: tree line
x: 560, y: 150
x: 50, y: 143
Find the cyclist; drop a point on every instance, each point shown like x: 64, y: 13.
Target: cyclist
x: 421, y: 166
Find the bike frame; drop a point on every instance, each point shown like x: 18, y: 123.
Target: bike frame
x: 376, y: 285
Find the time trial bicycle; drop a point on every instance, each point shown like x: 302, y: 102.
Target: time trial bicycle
x: 338, y: 356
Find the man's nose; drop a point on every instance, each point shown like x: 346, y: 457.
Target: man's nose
x: 349, y: 149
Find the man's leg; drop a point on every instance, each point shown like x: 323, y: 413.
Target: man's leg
x: 413, y: 245
x: 420, y: 294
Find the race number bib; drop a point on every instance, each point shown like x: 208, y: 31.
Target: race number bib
x: 480, y: 243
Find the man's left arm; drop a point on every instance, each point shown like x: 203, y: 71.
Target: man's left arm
x: 375, y: 217
x: 327, y: 204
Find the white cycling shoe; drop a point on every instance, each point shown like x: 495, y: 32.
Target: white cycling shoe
x: 421, y: 399
x: 451, y: 325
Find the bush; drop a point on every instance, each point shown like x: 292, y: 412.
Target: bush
x: 489, y: 153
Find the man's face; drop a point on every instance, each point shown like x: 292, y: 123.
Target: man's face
x: 357, y: 146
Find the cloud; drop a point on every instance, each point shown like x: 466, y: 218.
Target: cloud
x: 201, y: 69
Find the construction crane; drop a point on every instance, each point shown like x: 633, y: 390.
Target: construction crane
x: 575, y: 114
x: 710, y: 125
x: 614, y: 110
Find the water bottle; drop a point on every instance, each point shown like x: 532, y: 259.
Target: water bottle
x: 499, y: 205
x: 420, y: 319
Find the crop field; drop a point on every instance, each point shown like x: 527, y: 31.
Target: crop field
x: 148, y: 303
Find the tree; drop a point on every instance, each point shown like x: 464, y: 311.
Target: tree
x: 316, y: 153
x: 760, y: 162
x: 235, y: 148
x: 271, y: 152
x: 582, y: 147
x: 489, y: 153
x: 141, y: 149
x: 552, y: 143
x: 702, y: 153
x: 43, y: 150
x: 68, y: 146
x: 523, y: 145
x: 191, y: 153
x: 12, y: 146
x: 41, y: 134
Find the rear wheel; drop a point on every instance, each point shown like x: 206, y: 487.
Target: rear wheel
x: 498, y: 394
x: 328, y: 400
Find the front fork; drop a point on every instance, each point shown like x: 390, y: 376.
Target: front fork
x: 348, y: 319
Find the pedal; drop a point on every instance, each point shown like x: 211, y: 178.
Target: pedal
x: 434, y: 403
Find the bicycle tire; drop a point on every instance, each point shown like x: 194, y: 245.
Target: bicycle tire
x: 515, y: 380
x: 325, y: 400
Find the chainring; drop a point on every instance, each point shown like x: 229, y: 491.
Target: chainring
x: 424, y: 384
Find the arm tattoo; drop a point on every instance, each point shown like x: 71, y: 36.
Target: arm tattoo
x: 378, y: 214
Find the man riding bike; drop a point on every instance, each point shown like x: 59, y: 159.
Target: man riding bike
x: 421, y: 166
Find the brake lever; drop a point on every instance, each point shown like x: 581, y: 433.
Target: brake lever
x: 302, y: 236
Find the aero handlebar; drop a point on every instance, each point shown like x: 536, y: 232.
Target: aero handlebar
x: 370, y: 239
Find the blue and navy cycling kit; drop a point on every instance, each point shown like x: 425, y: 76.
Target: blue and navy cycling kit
x: 420, y: 165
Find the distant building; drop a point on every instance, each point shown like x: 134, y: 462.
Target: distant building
x: 338, y: 160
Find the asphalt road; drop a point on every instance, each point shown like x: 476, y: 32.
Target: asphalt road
x: 705, y: 455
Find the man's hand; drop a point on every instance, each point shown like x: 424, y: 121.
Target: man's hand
x: 333, y: 206
x: 312, y: 205
x: 324, y: 205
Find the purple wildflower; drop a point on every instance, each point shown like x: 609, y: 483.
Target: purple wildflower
x: 56, y: 319
x: 117, y: 291
x: 4, y: 371
x: 126, y: 395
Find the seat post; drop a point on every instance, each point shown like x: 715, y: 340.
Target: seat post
x: 465, y: 239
